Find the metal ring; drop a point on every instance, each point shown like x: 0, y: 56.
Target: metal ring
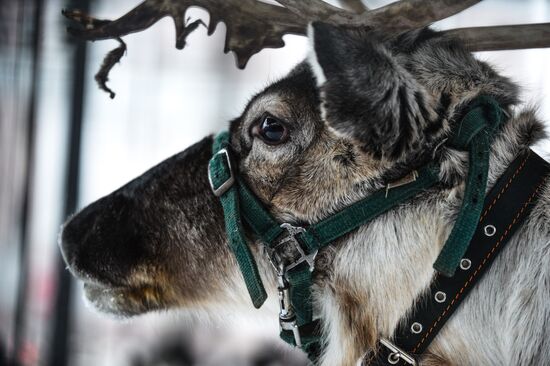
x: 416, y: 327
x: 393, y: 358
x: 440, y: 296
x: 490, y: 230
x: 465, y: 264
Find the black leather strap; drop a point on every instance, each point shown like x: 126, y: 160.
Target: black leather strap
x: 506, y: 206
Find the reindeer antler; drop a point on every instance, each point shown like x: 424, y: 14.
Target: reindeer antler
x: 253, y: 25
x: 504, y: 37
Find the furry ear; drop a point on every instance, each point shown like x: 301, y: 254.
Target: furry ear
x: 367, y: 95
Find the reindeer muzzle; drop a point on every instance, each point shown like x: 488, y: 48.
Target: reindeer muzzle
x: 136, y: 227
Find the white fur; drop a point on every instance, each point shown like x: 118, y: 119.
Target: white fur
x: 312, y: 57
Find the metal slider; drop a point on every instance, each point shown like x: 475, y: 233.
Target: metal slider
x: 291, y: 239
x: 409, y: 178
x: 224, y: 187
x: 293, y: 231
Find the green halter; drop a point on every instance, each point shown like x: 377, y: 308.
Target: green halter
x: 473, y: 134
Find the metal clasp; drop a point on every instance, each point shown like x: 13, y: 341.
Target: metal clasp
x: 224, y: 187
x: 409, y: 178
x: 290, y: 238
x: 287, y: 317
x: 397, y: 353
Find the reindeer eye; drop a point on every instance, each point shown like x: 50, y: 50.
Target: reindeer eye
x: 271, y: 130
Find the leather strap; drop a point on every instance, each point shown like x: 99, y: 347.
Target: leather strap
x: 505, y: 208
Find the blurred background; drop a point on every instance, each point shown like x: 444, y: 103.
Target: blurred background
x: 64, y: 143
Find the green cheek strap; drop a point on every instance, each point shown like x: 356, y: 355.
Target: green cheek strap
x: 223, y: 184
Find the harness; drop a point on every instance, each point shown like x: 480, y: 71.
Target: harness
x: 470, y: 245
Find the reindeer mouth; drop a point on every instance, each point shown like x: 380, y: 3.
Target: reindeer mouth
x: 119, y: 298
x: 123, y: 301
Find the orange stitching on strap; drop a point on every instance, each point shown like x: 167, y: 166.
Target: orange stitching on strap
x: 478, y: 268
x: 504, y: 188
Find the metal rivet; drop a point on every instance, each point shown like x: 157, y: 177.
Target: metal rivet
x: 416, y: 327
x: 465, y: 264
x: 490, y: 230
x: 440, y: 296
x: 393, y: 358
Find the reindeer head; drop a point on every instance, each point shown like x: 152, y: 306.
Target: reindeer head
x: 368, y: 106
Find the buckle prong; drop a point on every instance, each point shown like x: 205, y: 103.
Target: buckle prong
x: 397, y: 353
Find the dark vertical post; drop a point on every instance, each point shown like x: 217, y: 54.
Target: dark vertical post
x: 21, y: 300
x: 58, y: 347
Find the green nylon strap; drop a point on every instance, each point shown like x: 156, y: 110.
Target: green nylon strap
x: 300, y: 277
x: 257, y: 218
x: 221, y: 141
x: 268, y: 230
x: 301, y: 280
x: 361, y: 212
x: 474, y: 135
x: 220, y: 173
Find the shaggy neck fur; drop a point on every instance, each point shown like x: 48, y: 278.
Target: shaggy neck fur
x: 378, y: 271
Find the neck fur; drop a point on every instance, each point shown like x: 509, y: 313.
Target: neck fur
x: 379, y: 270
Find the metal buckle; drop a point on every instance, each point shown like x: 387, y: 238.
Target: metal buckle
x: 224, y: 187
x: 397, y: 353
x: 292, y: 232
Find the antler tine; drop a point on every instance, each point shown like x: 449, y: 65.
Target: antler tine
x: 251, y: 26
x: 504, y: 37
x: 247, y: 29
x: 356, y: 6
x: 239, y: 15
x: 411, y: 14
x: 312, y: 9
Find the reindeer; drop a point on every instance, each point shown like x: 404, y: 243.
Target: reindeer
x: 377, y: 99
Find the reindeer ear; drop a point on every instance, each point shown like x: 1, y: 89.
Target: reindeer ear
x: 330, y: 47
x: 366, y: 94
